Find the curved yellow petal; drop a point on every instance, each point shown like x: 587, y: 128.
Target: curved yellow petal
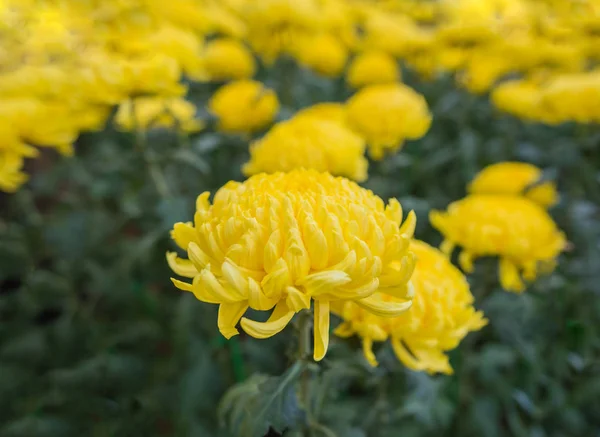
x: 383, y: 308
x: 229, y: 316
x: 279, y: 319
x: 321, y: 329
x: 367, y: 345
x: 183, y: 267
x: 409, y: 225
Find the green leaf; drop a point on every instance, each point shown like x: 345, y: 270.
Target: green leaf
x: 250, y: 408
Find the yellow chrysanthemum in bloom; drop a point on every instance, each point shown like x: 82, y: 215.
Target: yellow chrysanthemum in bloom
x: 329, y: 111
x: 372, y: 67
x: 154, y: 112
x: 309, y: 143
x: 244, y: 106
x: 284, y: 240
x: 441, y: 316
x: 574, y: 97
x: 385, y: 115
x: 515, y: 178
x: 521, y: 98
x: 323, y: 53
x: 228, y: 58
x: 517, y: 230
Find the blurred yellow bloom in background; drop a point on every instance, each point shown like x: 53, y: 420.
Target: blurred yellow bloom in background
x: 323, y: 53
x: 372, y: 67
x: 442, y: 314
x: 328, y: 111
x: 313, y: 143
x: 515, y: 178
x: 226, y: 59
x: 144, y: 113
x: 281, y: 241
x: 386, y: 115
x: 244, y: 106
x: 515, y: 229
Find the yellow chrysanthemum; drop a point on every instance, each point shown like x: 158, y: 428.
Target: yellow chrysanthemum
x: 515, y: 229
x: 372, y: 67
x: 328, y: 111
x: 226, y: 59
x: 154, y: 112
x: 323, y: 53
x: 244, y: 106
x: 515, y: 178
x: 441, y: 316
x: 385, y: 115
x: 307, y: 142
x: 284, y: 240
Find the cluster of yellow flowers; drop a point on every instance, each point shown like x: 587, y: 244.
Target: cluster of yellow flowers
x: 504, y: 215
x: 332, y: 136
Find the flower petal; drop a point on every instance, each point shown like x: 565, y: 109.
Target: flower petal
x: 321, y: 329
x: 229, y: 316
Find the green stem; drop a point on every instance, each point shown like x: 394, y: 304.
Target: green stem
x: 304, y: 333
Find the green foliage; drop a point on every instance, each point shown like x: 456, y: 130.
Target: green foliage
x: 95, y: 340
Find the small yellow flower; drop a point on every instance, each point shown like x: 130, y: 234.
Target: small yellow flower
x: 323, y: 53
x: 145, y: 113
x: 282, y: 241
x: 441, y: 316
x: 515, y: 229
x: 329, y: 111
x: 308, y: 142
x: 244, y: 106
x: 386, y: 115
x: 521, y: 98
x: 372, y: 67
x: 228, y: 58
x: 515, y: 178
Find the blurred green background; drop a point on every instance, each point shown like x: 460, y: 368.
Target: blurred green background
x: 95, y: 340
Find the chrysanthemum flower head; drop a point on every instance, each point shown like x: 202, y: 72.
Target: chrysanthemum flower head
x: 516, y: 178
x: 387, y: 114
x: 244, y: 106
x: 372, y: 67
x: 308, y: 142
x: 517, y: 230
x: 322, y: 52
x: 283, y: 241
x: 228, y: 58
x: 154, y: 112
x: 329, y: 111
x: 441, y: 316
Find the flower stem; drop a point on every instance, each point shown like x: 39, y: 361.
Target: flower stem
x: 304, y: 332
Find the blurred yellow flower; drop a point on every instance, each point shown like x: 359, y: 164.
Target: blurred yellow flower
x: 322, y: 52
x: 517, y: 230
x: 244, y: 106
x: 386, y: 115
x: 144, y: 113
x: 228, y: 58
x: 328, y: 111
x: 372, y: 67
x: 442, y: 314
x: 515, y: 178
x: 284, y: 240
x: 308, y: 142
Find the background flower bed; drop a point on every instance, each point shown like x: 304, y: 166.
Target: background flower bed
x: 96, y: 340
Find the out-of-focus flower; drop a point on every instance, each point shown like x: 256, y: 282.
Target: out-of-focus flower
x: 386, y: 115
x: 517, y: 230
x: 328, y: 111
x: 323, y: 53
x: 244, y: 106
x: 372, y: 67
x: 155, y: 112
x: 227, y: 58
x: 274, y: 26
x: 308, y: 142
x: 573, y: 97
x: 515, y: 178
x: 520, y: 98
x: 441, y: 316
x: 284, y: 240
